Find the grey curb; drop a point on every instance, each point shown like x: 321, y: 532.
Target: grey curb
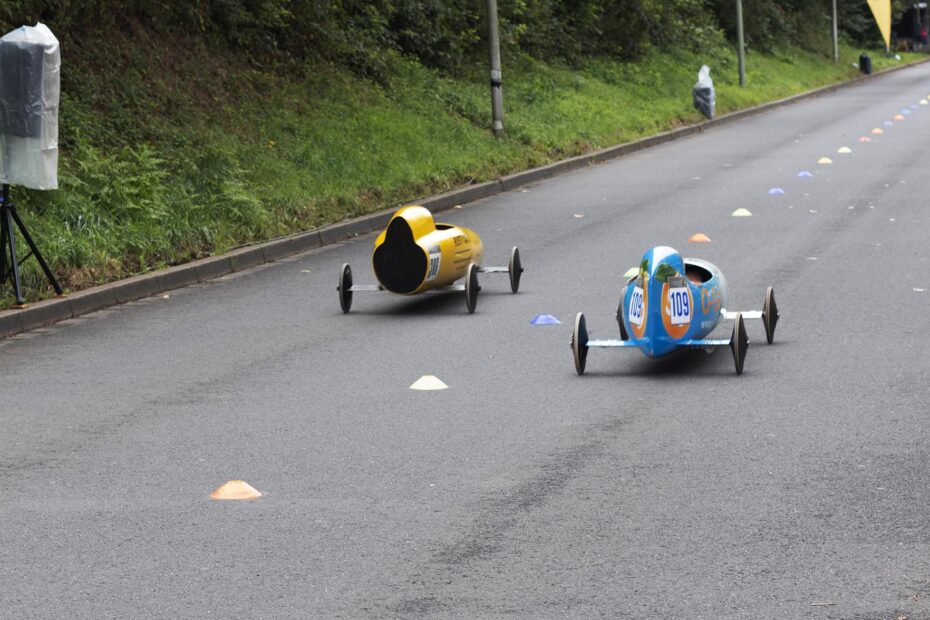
x: 137, y: 287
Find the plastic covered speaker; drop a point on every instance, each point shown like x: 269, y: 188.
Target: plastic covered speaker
x: 30, y: 72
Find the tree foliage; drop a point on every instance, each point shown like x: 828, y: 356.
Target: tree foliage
x: 445, y: 34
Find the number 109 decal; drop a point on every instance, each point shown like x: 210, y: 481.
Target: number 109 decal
x: 679, y: 302
x: 637, y: 307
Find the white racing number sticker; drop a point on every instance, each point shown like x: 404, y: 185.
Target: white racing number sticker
x: 435, y: 258
x: 636, y: 307
x: 679, y: 302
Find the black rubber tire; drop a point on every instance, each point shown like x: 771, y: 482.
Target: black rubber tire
x: 471, y: 287
x: 739, y: 342
x: 620, y: 309
x: 515, y: 268
x: 769, y: 315
x: 579, y: 343
x: 345, y: 288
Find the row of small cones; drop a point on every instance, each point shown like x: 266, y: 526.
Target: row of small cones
x: 239, y: 489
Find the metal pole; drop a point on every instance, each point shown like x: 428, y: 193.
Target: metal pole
x: 739, y: 43
x: 494, y: 55
x: 836, y: 43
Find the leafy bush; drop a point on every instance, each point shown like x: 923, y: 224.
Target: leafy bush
x: 446, y: 35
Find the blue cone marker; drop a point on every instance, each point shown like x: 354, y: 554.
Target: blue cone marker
x: 804, y: 174
x: 545, y: 319
x: 887, y: 123
x: 776, y: 191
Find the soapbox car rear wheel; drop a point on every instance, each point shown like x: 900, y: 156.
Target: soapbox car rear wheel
x: 515, y: 269
x: 580, y: 343
x: 471, y: 287
x: 769, y: 315
x: 345, y: 288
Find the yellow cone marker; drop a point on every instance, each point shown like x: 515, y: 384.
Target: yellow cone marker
x: 428, y: 382
x: 824, y: 160
x: 844, y: 150
x: 236, y: 489
x: 878, y: 131
x: 923, y: 102
x: 741, y: 213
x: 699, y: 238
x: 632, y: 271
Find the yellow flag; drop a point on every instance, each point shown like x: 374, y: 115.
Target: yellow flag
x: 881, y: 10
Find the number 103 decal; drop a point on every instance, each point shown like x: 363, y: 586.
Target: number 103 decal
x: 435, y: 259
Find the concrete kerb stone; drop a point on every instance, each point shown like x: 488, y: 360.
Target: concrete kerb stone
x: 91, y: 300
x: 135, y: 288
x: 83, y: 302
x: 45, y: 312
x: 461, y: 195
x: 286, y: 246
x: 354, y: 227
x: 519, y: 179
x: 174, y: 277
x: 11, y: 322
x: 211, y: 267
x: 243, y: 258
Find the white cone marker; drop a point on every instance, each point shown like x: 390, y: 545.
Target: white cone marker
x: 427, y: 383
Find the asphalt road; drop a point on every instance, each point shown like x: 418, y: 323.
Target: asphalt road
x: 669, y: 488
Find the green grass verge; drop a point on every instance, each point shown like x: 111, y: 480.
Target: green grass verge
x: 185, y: 153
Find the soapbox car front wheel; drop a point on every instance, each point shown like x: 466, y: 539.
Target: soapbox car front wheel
x: 345, y: 288
x: 579, y: 343
x: 471, y: 287
x: 515, y: 269
x: 769, y: 315
x: 739, y: 342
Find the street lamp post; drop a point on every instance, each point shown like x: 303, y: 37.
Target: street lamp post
x: 739, y: 43
x: 494, y: 55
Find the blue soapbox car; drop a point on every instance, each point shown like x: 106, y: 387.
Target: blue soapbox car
x: 674, y: 303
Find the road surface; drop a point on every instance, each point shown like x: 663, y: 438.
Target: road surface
x: 670, y: 488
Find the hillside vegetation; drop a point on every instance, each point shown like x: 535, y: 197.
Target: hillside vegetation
x: 190, y: 128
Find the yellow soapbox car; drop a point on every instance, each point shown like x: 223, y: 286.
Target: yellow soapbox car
x: 414, y: 254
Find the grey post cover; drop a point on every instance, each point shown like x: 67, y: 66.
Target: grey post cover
x: 30, y: 72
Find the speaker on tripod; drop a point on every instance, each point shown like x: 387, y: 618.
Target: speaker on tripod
x: 30, y: 72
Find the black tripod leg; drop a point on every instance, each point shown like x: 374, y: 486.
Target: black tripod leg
x: 35, y: 251
x: 14, y: 263
x: 3, y: 239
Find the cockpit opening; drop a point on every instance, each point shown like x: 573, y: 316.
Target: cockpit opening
x: 697, y: 274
